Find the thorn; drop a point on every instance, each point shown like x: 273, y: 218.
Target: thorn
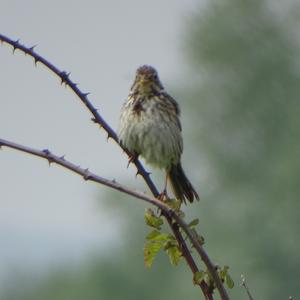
x: 16, y: 45
x: 64, y: 76
x: 108, y: 136
x: 48, y: 155
x: 36, y: 60
x: 114, y: 181
x: 145, y: 173
x: 94, y: 120
x: 32, y: 48
x: 87, y: 174
x: 46, y: 151
x: 85, y: 94
x: 132, y: 158
x: 62, y: 157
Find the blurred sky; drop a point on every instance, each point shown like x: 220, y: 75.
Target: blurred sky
x: 48, y: 215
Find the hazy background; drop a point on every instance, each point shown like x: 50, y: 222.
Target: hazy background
x: 234, y: 68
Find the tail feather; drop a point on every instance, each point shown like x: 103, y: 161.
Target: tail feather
x: 181, y: 186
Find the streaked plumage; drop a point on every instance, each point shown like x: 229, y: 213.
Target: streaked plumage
x: 149, y: 126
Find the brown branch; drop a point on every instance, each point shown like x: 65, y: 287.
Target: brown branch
x: 65, y: 79
x: 84, y: 173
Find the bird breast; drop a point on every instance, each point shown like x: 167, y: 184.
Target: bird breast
x: 150, y: 128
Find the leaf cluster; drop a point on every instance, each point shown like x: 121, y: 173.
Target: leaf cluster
x: 157, y: 240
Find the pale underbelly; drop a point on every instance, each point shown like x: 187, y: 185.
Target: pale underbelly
x: 158, y: 142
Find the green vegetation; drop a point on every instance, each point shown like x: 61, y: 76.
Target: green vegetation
x: 245, y: 122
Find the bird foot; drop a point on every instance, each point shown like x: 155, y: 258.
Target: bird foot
x: 163, y: 195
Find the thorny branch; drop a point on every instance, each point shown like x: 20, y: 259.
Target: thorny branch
x: 169, y: 214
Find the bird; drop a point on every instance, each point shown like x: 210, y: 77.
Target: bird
x: 149, y: 126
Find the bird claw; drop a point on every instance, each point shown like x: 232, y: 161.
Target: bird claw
x: 163, y: 195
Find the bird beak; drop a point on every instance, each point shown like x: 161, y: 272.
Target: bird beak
x: 144, y: 81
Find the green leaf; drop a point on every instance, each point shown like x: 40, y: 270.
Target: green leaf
x: 229, y: 281
x: 156, y: 235
x: 223, y: 272
x: 174, y: 254
x: 152, y: 220
x: 173, y: 203
x: 198, y: 277
x: 152, y: 235
x: 171, y: 242
x: 208, y: 280
x: 151, y: 249
x: 193, y: 223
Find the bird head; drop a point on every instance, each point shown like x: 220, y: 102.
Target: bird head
x: 146, y: 81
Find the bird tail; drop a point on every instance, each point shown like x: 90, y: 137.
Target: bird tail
x: 181, y: 186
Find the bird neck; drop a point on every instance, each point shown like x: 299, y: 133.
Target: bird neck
x: 146, y: 91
